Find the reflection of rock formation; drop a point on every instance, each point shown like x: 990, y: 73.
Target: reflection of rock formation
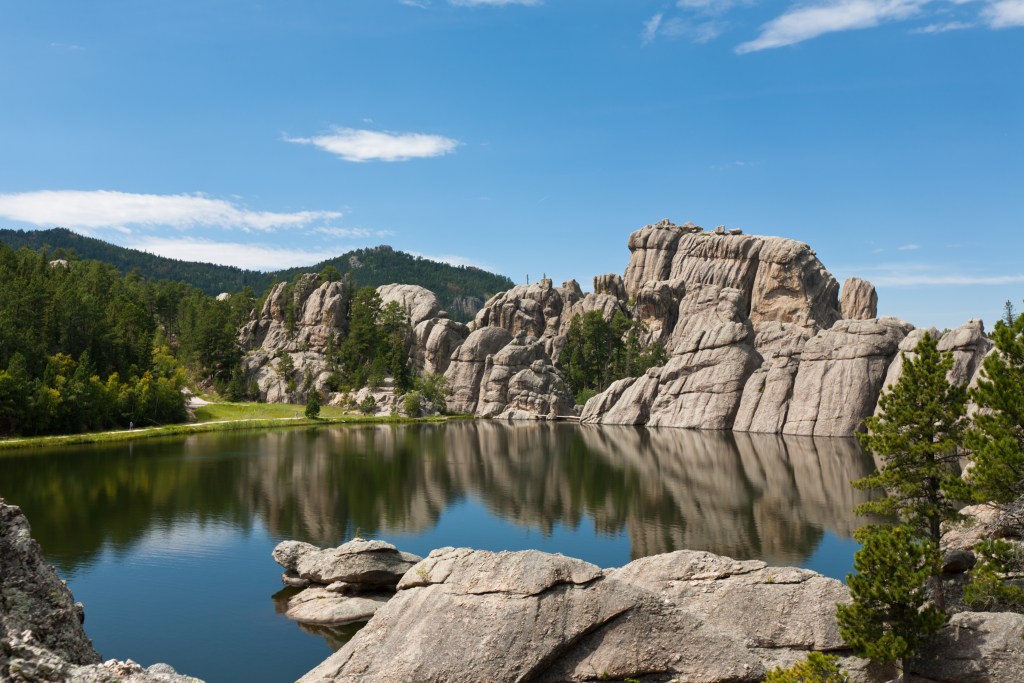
x: 747, y: 496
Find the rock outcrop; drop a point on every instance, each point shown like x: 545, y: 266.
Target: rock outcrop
x: 779, y: 280
x: 858, y: 300
x: 519, y: 381
x: 468, y: 365
x: 434, y: 342
x: 341, y: 585
x: 419, y: 303
x: 41, y: 634
x: 712, y: 347
x: 530, y: 616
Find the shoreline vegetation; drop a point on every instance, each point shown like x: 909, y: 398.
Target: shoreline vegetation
x: 225, y: 417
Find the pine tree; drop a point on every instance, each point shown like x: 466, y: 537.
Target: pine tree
x: 313, y: 405
x: 918, y: 436
x: 817, y: 668
x: 890, y: 617
x: 996, y: 438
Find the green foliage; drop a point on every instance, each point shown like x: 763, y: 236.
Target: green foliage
x: 372, y: 267
x: 890, y: 617
x: 376, y: 345
x: 597, y: 351
x: 434, y: 388
x: 368, y: 405
x: 817, y: 668
x: 411, y: 404
x: 988, y: 591
x: 313, y: 405
x: 996, y: 437
x: 918, y: 434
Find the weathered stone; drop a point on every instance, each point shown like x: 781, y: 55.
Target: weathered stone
x: 33, y: 598
x: 858, y: 300
x: 969, y: 346
x: 958, y: 561
x: 435, y: 340
x: 362, y: 563
x: 418, y: 302
x: 521, y: 377
x: 702, y: 384
x: 975, y: 648
x: 841, y: 374
x: 41, y: 636
x: 780, y: 280
x: 764, y: 406
x: 610, y: 284
x: 329, y: 608
x: 288, y: 553
x: 468, y: 366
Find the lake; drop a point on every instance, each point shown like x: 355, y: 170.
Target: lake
x: 167, y: 541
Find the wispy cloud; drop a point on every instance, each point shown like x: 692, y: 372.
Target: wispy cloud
x: 909, y: 247
x: 1004, y: 13
x: 357, y: 145
x: 108, y: 209
x: 352, y: 233
x: 251, y: 256
x: 929, y: 275
x: 945, y: 27
x: 810, y: 21
x: 651, y: 28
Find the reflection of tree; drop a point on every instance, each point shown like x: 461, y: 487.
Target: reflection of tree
x: 743, y: 495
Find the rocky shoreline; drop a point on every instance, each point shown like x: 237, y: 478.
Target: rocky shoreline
x: 462, y: 614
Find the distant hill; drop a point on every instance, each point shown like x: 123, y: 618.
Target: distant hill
x: 461, y: 289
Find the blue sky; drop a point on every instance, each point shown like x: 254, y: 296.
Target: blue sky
x: 529, y: 137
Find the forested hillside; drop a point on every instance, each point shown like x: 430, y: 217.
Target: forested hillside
x: 83, y: 347
x: 455, y: 286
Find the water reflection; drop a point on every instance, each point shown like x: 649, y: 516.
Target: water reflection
x: 744, y: 495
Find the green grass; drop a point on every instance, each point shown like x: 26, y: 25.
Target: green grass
x: 222, y: 417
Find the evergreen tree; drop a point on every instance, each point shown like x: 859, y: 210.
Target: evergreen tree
x: 313, y: 405
x: 817, y: 668
x: 890, y: 617
x: 918, y: 436
x: 996, y: 438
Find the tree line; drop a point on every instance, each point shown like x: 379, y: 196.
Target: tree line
x: 83, y: 347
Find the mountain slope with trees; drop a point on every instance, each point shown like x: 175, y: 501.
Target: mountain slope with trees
x: 460, y: 289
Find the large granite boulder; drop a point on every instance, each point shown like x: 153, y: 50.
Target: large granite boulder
x: 434, y: 342
x: 841, y: 374
x: 521, y: 379
x: 858, y: 300
x: 359, y: 564
x: 322, y: 606
x: 419, y: 303
x: 468, y: 364
x: 317, y: 313
x: 533, y: 310
x: 975, y: 648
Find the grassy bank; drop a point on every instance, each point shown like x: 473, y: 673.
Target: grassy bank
x: 221, y: 417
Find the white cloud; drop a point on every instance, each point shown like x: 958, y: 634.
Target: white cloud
x: 352, y: 144
x: 1005, y: 13
x: 252, y: 256
x: 944, y: 27
x: 651, y: 28
x: 107, y: 209
x: 493, y: 3
x: 810, y: 21
x: 909, y: 247
x: 352, y: 233
x: 928, y: 275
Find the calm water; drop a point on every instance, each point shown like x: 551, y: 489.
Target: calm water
x: 168, y: 542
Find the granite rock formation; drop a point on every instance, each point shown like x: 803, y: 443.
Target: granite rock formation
x: 341, y: 585
x: 858, y: 300
x: 41, y: 634
x: 530, y: 616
